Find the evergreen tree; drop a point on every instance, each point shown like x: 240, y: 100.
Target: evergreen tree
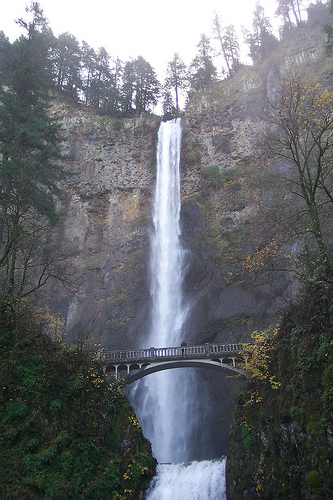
x: 169, y: 110
x: 112, y: 99
x: 231, y: 46
x: 67, y: 58
x: 147, y: 87
x: 140, y: 86
x: 127, y: 90
x: 290, y: 9
x: 176, y: 77
x: 29, y: 150
x: 202, y: 69
x: 261, y: 41
x: 99, y: 78
x: 5, y: 51
x: 318, y: 13
x: 228, y: 43
x: 88, y: 57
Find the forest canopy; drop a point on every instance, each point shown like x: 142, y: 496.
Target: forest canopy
x: 121, y: 88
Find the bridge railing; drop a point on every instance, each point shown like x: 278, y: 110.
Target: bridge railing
x: 153, y: 353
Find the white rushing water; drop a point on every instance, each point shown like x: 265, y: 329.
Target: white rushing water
x: 165, y: 401
x: 194, y: 481
x: 166, y: 251
x: 163, y: 409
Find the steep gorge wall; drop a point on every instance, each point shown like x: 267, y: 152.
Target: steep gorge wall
x: 107, y: 202
x: 227, y: 184
x: 282, y: 438
x: 231, y: 190
x: 231, y: 198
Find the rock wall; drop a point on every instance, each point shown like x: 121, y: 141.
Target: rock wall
x: 231, y: 193
x: 108, y: 200
x: 228, y: 186
x: 224, y: 211
x: 105, y: 235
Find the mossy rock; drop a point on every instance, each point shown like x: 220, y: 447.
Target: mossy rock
x: 65, y: 432
x: 313, y: 479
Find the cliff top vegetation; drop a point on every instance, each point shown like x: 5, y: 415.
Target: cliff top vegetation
x: 95, y: 78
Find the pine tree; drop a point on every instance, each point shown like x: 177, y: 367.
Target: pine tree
x: 88, y: 68
x: 140, y: 86
x: 5, y: 50
x: 127, y: 90
x: 100, y: 78
x: 288, y: 8
x: 147, y: 86
x: 261, y: 41
x: 66, y: 58
x: 229, y: 46
x: 202, y: 69
x: 29, y: 149
x: 169, y: 110
x: 176, y: 77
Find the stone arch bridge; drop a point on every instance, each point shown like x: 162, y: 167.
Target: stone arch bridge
x: 128, y: 366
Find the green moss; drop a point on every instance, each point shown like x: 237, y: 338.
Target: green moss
x: 313, y: 479
x: 192, y: 158
x: 216, y: 178
x: 283, y: 406
x: 213, y: 176
x: 64, y: 431
x: 117, y: 124
x: 104, y: 123
x: 153, y: 166
x: 114, y: 302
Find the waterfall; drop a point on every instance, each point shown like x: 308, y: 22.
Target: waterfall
x: 165, y: 401
x: 166, y: 251
x: 194, y: 481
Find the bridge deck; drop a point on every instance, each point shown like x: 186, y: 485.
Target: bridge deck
x: 169, y: 353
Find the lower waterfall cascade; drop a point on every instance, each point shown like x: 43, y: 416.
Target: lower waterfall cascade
x: 164, y: 401
x: 204, y: 480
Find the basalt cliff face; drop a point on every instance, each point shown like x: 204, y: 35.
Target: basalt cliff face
x: 107, y: 205
x: 229, y: 186
x: 231, y: 191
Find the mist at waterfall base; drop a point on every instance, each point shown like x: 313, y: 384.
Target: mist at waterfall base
x: 167, y: 403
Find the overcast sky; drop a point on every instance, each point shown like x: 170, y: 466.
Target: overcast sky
x: 128, y: 28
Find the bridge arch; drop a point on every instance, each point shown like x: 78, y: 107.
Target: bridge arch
x: 133, y: 376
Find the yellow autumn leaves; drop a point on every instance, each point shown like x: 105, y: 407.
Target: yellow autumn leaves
x: 259, y: 356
